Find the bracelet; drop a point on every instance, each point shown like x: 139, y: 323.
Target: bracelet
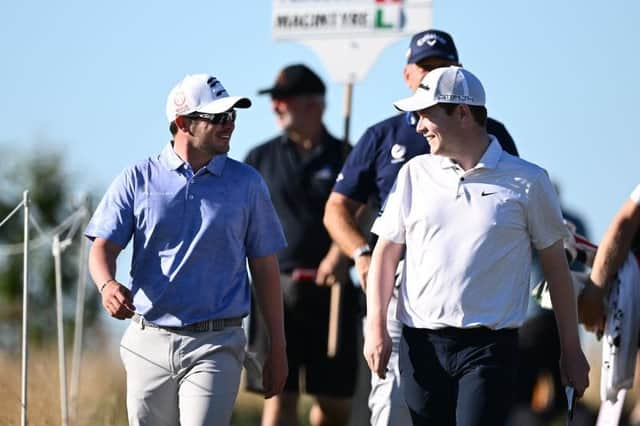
x: 105, y: 284
x: 363, y: 249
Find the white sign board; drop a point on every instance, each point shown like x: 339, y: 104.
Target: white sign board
x: 348, y: 35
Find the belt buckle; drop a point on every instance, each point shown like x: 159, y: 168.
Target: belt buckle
x: 139, y: 319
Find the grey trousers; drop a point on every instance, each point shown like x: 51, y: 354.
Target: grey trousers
x: 185, y: 378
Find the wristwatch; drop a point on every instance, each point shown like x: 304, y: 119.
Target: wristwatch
x: 363, y: 249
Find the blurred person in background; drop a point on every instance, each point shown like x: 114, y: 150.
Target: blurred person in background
x: 611, y: 269
x: 620, y: 239
x: 299, y: 166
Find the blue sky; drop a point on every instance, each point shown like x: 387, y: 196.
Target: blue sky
x: 91, y: 79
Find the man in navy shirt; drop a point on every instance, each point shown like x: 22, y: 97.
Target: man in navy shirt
x: 300, y: 166
x: 196, y: 217
x: 369, y: 174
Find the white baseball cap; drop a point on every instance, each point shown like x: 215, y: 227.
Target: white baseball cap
x: 446, y: 85
x: 202, y: 93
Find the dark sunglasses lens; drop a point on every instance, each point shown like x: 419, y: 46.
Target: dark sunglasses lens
x: 224, y: 117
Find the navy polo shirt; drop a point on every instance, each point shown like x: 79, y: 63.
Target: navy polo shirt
x: 372, y: 166
x: 299, y: 187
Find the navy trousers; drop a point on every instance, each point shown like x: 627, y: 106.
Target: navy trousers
x: 462, y: 377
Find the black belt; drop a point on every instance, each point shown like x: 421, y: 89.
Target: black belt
x: 202, y: 326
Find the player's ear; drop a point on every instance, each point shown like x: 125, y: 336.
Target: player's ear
x: 405, y: 74
x: 182, y: 123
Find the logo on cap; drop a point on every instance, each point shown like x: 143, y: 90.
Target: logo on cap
x: 179, y: 99
x: 431, y: 39
x: 454, y: 98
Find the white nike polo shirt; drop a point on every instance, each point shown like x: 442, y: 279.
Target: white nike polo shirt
x: 468, y: 238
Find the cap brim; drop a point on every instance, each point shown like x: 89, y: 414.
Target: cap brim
x: 445, y: 56
x: 415, y: 103
x: 225, y: 104
x: 278, y: 92
x: 267, y: 91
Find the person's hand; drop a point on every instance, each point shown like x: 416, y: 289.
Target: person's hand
x: 591, y: 312
x: 117, y: 300
x: 377, y: 348
x: 333, y: 269
x: 275, y: 371
x: 574, y: 369
x: 362, y: 268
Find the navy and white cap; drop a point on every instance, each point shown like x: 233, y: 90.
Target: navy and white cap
x: 432, y: 43
x: 202, y: 93
x: 446, y: 85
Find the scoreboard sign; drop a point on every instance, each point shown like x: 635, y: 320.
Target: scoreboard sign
x: 349, y: 35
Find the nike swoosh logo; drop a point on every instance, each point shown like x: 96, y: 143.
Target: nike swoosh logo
x: 484, y: 194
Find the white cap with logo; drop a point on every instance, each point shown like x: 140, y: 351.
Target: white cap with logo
x: 447, y: 85
x: 202, y: 93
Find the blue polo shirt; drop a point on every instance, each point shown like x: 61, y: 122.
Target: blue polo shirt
x: 371, y: 168
x: 192, y: 234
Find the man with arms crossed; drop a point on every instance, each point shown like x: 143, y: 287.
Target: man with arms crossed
x: 467, y: 216
x: 196, y: 217
x: 369, y: 172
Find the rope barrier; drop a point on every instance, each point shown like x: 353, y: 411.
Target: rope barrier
x: 69, y: 228
x: 34, y: 222
x: 14, y: 211
x: 73, y: 222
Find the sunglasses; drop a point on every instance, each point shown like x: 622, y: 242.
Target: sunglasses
x: 219, y: 118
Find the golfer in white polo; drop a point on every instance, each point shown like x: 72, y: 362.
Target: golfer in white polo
x: 467, y: 215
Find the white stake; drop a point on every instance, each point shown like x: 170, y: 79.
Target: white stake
x: 25, y: 298
x: 62, y: 371
x: 76, y: 360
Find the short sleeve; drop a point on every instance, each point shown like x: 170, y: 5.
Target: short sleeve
x: 635, y: 195
x: 544, y: 216
x: 113, y: 219
x: 391, y: 220
x: 264, y: 231
x: 356, y: 179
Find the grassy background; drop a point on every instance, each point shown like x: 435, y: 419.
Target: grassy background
x: 101, y: 399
